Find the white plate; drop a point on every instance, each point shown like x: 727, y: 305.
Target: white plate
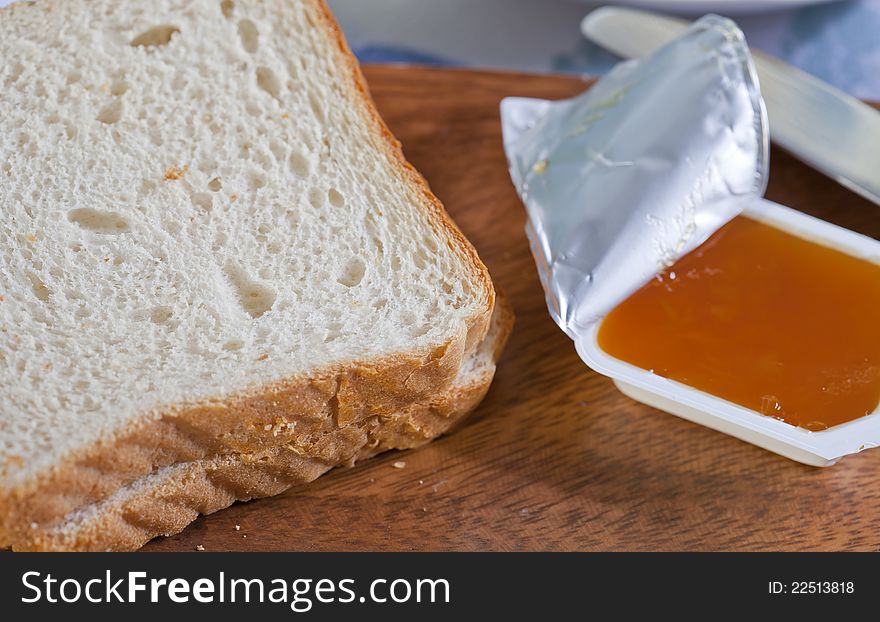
x: 724, y: 7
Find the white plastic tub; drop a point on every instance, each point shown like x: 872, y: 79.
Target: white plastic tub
x: 815, y: 448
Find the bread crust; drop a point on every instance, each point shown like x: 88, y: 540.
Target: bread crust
x: 166, y: 501
x: 182, y: 492
x: 332, y: 398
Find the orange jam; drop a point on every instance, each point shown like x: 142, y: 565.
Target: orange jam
x: 759, y: 317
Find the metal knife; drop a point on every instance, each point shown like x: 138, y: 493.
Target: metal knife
x: 831, y: 131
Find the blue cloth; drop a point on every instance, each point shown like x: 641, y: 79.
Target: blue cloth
x: 838, y: 41
x: 397, y: 54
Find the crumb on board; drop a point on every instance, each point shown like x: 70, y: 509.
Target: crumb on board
x: 238, y: 527
x: 200, y: 548
x: 399, y: 464
x: 244, y: 535
x: 421, y: 481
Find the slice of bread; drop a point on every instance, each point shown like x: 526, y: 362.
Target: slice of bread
x: 166, y: 501
x: 207, y: 231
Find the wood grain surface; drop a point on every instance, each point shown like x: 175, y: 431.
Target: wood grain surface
x: 555, y: 458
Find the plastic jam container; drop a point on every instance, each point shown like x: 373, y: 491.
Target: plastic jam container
x: 781, y: 350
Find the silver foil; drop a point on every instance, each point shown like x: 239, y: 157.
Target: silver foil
x: 622, y: 180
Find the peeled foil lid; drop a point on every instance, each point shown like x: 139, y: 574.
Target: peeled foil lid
x: 626, y: 178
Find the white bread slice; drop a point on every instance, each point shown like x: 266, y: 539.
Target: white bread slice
x: 206, y: 230
x: 166, y: 501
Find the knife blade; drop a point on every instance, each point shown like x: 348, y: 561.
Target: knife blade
x: 829, y: 130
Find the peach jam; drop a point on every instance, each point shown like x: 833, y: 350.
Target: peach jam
x: 762, y: 318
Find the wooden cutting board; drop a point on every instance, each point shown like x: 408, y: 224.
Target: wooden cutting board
x: 555, y: 458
